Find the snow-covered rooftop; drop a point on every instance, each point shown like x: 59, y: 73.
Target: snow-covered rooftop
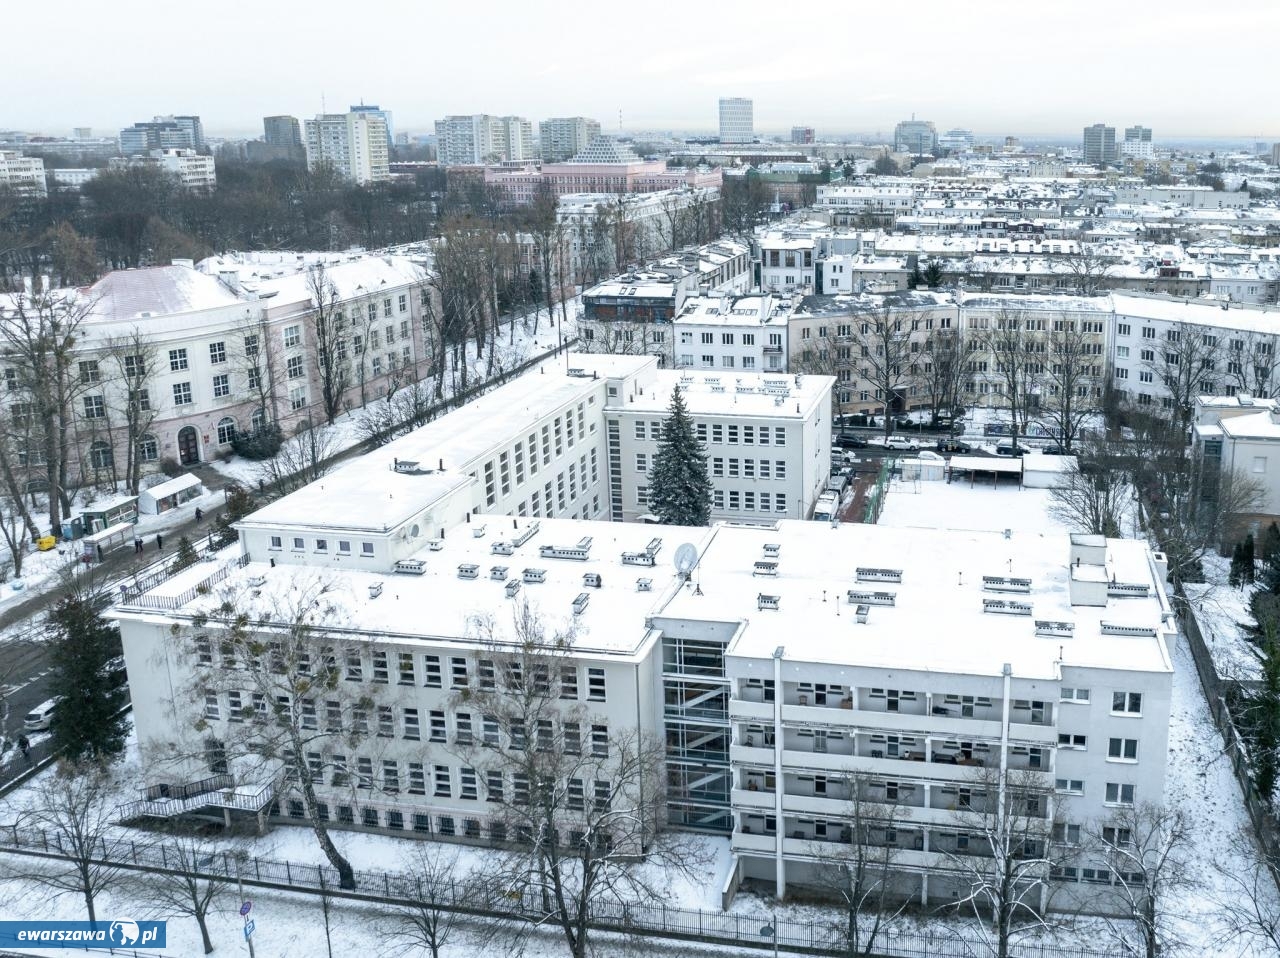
x: 156, y: 291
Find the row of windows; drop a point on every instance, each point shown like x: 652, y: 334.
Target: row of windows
x: 747, y: 501
x: 562, y: 431
x: 299, y: 544
x: 1115, y: 793
x: 726, y: 362
x: 734, y: 468
x: 1118, y: 749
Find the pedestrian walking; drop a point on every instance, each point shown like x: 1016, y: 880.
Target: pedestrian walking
x: 99, y: 552
x: 24, y: 744
x: 159, y: 542
x: 199, y: 514
x: 137, y: 544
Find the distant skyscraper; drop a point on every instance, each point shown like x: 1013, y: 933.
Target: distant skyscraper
x: 83, y: 133
x: 353, y: 144
x: 957, y: 140
x: 481, y: 138
x: 1137, y: 134
x: 802, y: 134
x: 1099, y: 143
x: 373, y: 109
x: 564, y: 136
x: 736, y: 120
x: 282, y: 131
x: 915, y: 136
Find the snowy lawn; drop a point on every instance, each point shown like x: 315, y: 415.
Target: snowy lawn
x: 958, y: 505
x: 1225, y: 620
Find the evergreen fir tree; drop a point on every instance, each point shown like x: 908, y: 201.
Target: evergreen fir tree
x: 679, y: 487
x: 1247, y: 560
x: 88, y: 723
x: 1233, y: 575
x: 1271, y: 543
x: 186, y: 556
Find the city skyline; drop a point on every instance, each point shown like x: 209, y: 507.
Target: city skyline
x: 671, y: 82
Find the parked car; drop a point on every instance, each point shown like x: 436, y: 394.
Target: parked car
x: 929, y: 454
x: 1009, y: 449
x: 953, y: 445
x: 1053, y: 449
x: 902, y: 444
x: 849, y: 441
x: 41, y: 717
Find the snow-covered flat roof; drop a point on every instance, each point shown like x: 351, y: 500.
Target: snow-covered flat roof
x: 937, y: 622
x: 733, y: 393
x: 1258, y: 425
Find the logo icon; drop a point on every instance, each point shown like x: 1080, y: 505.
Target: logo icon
x: 123, y: 932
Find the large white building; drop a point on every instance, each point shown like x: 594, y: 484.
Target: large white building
x: 480, y: 138
x: 193, y: 171
x: 736, y: 121
x: 353, y: 145
x: 730, y: 332
x: 22, y: 174
x: 939, y: 673
x: 562, y: 137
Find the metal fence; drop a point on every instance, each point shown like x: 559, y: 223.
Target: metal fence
x: 398, y: 888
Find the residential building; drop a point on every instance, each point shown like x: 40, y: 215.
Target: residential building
x: 480, y: 139
x: 353, y: 145
x: 777, y: 685
x: 957, y: 140
x: 374, y: 110
x: 1189, y: 196
x: 802, y: 134
x: 732, y: 331
x: 1240, y: 435
x: 1099, y: 144
x: 72, y: 178
x: 22, y: 174
x: 193, y: 171
x: 561, y: 137
x: 1137, y: 134
x: 917, y: 137
x: 736, y: 123
x: 282, y: 138
x: 162, y: 133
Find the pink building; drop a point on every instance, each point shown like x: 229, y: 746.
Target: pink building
x: 605, y: 166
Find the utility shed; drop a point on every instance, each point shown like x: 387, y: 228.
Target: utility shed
x: 982, y: 467
x: 1044, y: 472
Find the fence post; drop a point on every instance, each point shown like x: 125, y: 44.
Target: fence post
x: 257, y: 872
x: 386, y: 884
x: 288, y: 873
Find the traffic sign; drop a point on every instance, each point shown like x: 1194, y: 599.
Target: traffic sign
x: 248, y: 929
x: 244, y: 909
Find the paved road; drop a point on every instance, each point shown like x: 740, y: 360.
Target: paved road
x: 24, y: 665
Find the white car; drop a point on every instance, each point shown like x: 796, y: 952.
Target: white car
x: 901, y: 443
x: 927, y: 454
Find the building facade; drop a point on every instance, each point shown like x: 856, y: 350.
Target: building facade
x: 22, y: 174
x: 561, y: 137
x: 1099, y: 144
x: 163, y: 133
x: 353, y: 145
x: 917, y: 137
x: 480, y: 139
x: 193, y: 171
x: 729, y: 331
x: 736, y: 120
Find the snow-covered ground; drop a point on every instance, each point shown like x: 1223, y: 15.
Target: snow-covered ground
x: 959, y: 505
x: 1224, y: 617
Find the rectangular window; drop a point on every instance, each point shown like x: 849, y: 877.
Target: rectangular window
x: 595, y: 685
x: 221, y: 385
x: 458, y: 672
x: 568, y: 681
x: 1069, y: 786
x: 1126, y: 703
x: 493, y: 786
x: 177, y: 360
x: 405, y: 660
x: 417, y: 779
x: 412, y: 725
x: 386, y: 722
x: 1073, y: 695
x: 1122, y: 749
x: 182, y: 394
x: 95, y: 407
x: 390, y: 775
x: 436, y: 717
x: 572, y: 738
x: 432, y: 663
x: 293, y: 368
x: 292, y: 336
x: 467, y: 784
x: 1066, y: 740
x: 1118, y: 794
x: 380, y: 673
x: 600, y: 741
x: 442, y: 781
x: 297, y: 397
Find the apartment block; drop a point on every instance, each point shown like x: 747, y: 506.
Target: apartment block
x: 480, y: 138
x: 353, y: 145
x: 22, y: 174
x: 736, y: 120
x: 193, y: 171
x: 561, y: 137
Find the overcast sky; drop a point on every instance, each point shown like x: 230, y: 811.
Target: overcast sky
x: 996, y: 67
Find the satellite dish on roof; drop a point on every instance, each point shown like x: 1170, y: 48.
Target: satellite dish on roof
x: 686, y: 558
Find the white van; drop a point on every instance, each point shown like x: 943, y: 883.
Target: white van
x: 40, y: 717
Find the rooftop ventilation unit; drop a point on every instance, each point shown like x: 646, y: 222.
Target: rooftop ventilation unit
x: 580, y: 603
x: 534, y: 575
x: 477, y: 532
x: 879, y: 575
x: 644, y: 585
x: 765, y: 567
x: 501, y: 548
x: 1128, y: 590
x: 861, y: 613
x: 580, y: 553
x: 1139, y: 631
x: 1057, y: 630
x: 375, y: 590
x: 468, y: 570
x: 1003, y: 583
x: 410, y: 567
x: 772, y: 549
x: 638, y: 558
x: 530, y: 531
x: 1006, y: 606
x: 870, y: 597
x: 767, y: 601
x: 513, y: 586
x: 435, y: 545
x: 498, y: 573
x: 654, y: 546
x: 592, y: 580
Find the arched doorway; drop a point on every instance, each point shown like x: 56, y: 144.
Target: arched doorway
x: 188, y: 446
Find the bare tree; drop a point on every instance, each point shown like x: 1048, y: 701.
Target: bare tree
x: 1087, y: 269
x: 184, y: 889
x: 257, y: 354
x: 16, y: 443
x: 1073, y: 374
x: 1250, y: 363
x: 277, y: 662
x: 302, y: 458
x: 1005, y: 859
x: 1145, y: 849
x: 944, y: 368
x: 1186, y: 360
x: 133, y: 357
x: 75, y: 808
x: 858, y: 873
x: 1016, y: 348
x: 579, y: 801
x: 1195, y: 513
x: 328, y: 330
x: 16, y: 535
x: 1091, y: 494
x: 885, y: 351
x: 40, y: 338
x: 432, y: 921
x: 1248, y: 909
